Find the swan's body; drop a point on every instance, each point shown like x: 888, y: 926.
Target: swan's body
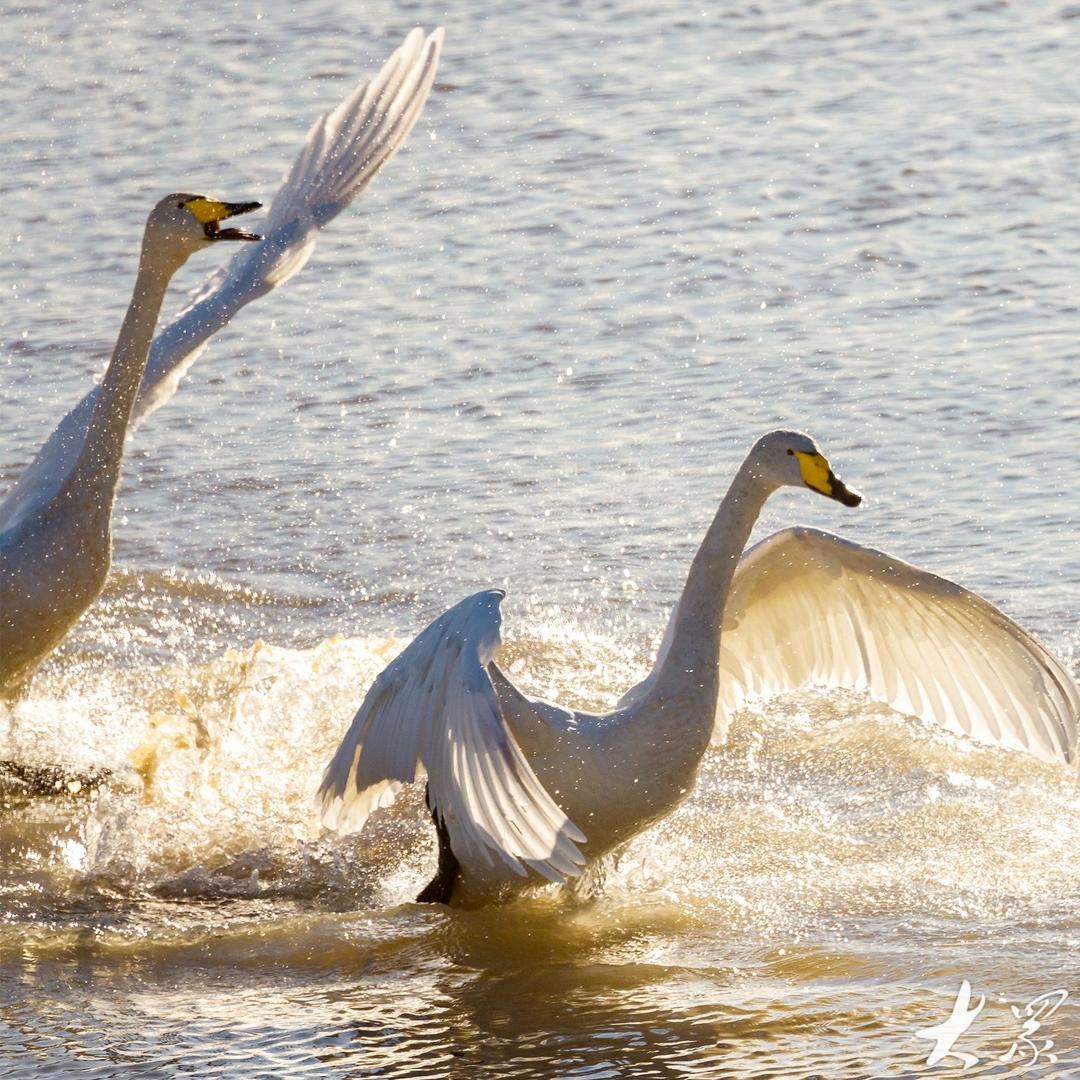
x: 54, y: 523
x: 517, y: 784
x: 55, y: 556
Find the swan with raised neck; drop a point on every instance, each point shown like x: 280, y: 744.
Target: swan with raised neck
x: 54, y: 561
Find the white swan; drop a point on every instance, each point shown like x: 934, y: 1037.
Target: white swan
x: 343, y: 151
x: 55, y: 557
x: 48, y: 508
x: 517, y: 785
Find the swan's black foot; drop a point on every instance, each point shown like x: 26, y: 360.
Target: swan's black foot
x: 441, y: 886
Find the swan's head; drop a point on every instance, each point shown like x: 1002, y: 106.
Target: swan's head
x: 182, y: 224
x: 792, y: 459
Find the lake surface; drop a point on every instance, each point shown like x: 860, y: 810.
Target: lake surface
x: 624, y: 240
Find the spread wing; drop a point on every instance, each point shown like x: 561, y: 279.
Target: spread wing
x: 811, y: 609
x: 807, y: 608
x: 342, y: 153
x: 434, y: 711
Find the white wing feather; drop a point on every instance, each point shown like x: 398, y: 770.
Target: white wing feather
x: 343, y: 151
x: 434, y: 711
x: 811, y: 609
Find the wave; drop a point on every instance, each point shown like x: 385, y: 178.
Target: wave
x: 192, y: 783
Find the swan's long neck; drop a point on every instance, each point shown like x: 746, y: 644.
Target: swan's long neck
x: 692, y: 662
x: 97, y: 468
x: 658, y: 741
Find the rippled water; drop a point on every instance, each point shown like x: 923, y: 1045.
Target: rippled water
x: 625, y: 239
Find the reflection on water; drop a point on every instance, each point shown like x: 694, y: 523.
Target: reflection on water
x: 625, y: 240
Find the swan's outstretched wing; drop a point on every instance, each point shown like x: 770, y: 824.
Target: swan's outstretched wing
x: 434, y: 710
x: 811, y: 609
x: 342, y: 153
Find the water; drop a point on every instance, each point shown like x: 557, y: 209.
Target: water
x: 623, y: 241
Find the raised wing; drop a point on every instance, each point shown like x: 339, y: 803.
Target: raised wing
x: 811, y: 609
x: 434, y: 711
x: 342, y: 153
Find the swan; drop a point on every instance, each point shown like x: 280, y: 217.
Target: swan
x: 344, y: 150
x: 522, y: 790
x: 54, y: 560
x: 48, y: 509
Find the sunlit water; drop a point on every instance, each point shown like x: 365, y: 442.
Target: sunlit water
x: 625, y: 239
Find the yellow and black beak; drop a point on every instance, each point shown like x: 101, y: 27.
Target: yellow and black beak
x: 210, y: 213
x: 818, y: 475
